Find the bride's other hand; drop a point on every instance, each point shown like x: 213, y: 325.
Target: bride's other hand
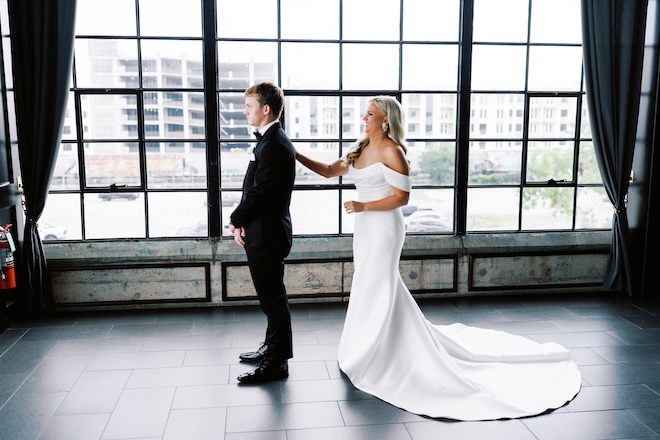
x: 353, y: 206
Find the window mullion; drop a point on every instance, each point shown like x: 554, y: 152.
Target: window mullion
x: 212, y: 130
x: 465, y: 75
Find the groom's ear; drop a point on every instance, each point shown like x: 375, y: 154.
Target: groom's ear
x: 266, y: 109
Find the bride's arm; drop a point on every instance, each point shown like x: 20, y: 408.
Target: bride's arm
x: 396, y: 200
x: 326, y: 170
x: 395, y: 159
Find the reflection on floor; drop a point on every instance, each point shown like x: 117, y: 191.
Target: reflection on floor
x: 171, y: 374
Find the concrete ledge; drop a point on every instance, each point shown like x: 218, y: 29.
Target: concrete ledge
x: 168, y: 272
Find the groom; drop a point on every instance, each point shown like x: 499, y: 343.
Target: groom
x: 261, y: 224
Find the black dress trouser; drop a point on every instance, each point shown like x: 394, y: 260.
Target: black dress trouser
x: 267, y: 270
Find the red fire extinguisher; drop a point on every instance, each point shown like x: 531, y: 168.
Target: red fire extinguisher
x: 7, y: 275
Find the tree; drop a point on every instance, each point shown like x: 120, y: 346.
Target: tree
x: 438, y: 163
x: 546, y: 166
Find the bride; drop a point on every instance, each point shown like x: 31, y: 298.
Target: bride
x: 387, y: 347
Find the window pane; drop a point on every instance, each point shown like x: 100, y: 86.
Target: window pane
x: 348, y: 220
x: 432, y: 115
x: 547, y: 208
x: 585, y: 122
x: 588, y: 171
x: 315, y: 212
x: 170, y: 18
x: 416, y: 72
x: 109, y: 116
x: 550, y: 160
x: 105, y: 18
x: 315, y: 117
x: 7, y: 59
x: 326, y: 152
x: 234, y: 161
x: 493, y: 209
x: 177, y: 63
x: 66, y: 172
x: 310, y: 20
x: 176, y: 165
x: 174, y: 115
x: 491, y: 72
x: 178, y: 214
x: 556, y: 21
x: 552, y: 117
x: 385, y: 56
x: 229, y: 200
x: 501, y: 21
x: 353, y: 110
x: 233, y: 17
x: 383, y: 12
x: 426, y: 221
x: 310, y: 66
x: 233, y: 123
x: 555, y: 68
x: 429, y: 210
x: 594, y: 210
x: 495, y: 163
x: 69, y: 127
x: 112, y: 163
x: 431, y: 21
x: 61, y: 218
x: 243, y: 64
x: 121, y: 217
x: 11, y: 111
x: 106, y: 63
x: 497, y: 115
x: 432, y: 163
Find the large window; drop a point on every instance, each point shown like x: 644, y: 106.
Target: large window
x: 156, y: 144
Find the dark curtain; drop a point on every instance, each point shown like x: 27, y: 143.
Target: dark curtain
x: 42, y: 37
x: 613, y: 44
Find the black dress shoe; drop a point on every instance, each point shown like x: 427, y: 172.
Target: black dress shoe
x: 254, y: 357
x: 266, y: 371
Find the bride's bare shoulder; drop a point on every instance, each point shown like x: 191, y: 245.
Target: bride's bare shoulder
x: 394, y: 157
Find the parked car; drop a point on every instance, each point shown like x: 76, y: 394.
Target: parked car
x: 51, y: 232
x: 231, y: 198
x: 200, y: 229
x: 408, y: 209
x: 117, y: 195
x: 425, y: 221
x: 412, y: 210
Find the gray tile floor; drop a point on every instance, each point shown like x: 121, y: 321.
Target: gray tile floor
x: 171, y: 374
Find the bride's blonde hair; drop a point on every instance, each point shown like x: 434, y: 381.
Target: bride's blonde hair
x: 393, y: 111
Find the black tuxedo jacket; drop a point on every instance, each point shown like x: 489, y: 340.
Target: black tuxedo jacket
x: 267, y: 186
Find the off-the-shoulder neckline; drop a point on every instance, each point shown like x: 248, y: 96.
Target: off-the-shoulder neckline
x: 378, y: 163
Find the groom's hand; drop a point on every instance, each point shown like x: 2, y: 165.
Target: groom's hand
x: 239, y: 235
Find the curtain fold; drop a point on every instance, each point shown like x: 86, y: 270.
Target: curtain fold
x: 613, y: 51
x: 42, y: 38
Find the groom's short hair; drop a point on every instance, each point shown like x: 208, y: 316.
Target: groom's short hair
x: 268, y: 93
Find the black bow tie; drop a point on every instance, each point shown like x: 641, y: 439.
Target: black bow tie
x: 258, y: 135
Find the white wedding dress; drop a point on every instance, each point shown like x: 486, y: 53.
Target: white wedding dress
x: 390, y: 350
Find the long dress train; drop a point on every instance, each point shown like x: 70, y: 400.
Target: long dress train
x: 390, y: 350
